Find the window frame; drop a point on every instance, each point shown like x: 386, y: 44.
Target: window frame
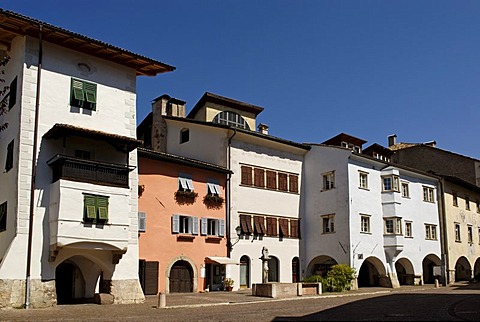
x: 363, y: 180
x: 328, y: 224
x: 184, y: 225
x: 328, y: 180
x: 470, y: 234
x: 467, y: 203
x: 3, y: 216
x: 367, y: 222
x: 431, y: 232
x: 458, y: 232
x: 454, y: 199
x: 84, y: 97
x: 394, y: 183
x: 9, y: 156
x: 396, y: 226
x: 246, y: 175
x: 184, y: 135
x: 405, y: 188
x: 185, y: 182
x: 428, y: 194
x: 408, y: 229
x: 12, y: 94
x: 95, y: 209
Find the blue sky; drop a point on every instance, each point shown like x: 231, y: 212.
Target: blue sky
x: 319, y: 68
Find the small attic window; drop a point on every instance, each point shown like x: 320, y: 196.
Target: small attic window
x: 184, y: 136
x: 232, y: 119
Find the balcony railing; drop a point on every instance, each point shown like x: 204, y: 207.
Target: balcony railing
x: 75, y: 169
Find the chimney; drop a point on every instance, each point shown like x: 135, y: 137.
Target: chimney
x: 431, y: 143
x: 164, y: 106
x: 263, y: 128
x: 392, y: 140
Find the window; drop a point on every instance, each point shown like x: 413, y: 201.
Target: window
x: 478, y: 206
x: 212, y: 227
x: 232, y: 119
x: 95, y: 208
x: 470, y: 234
x: 271, y: 180
x: 184, y: 225
x: 390, y: 183
x: 428, y: 194
x: 363, y: 177
x: 405, y: 190
x: 259, y: 225
x: 283, y: 224
x: 271, y: 226
x: 184, y: 136
x: 393, y: 226
x: 455, y: 199
x: 294, y: 228
x: 142, y: 222
x: 213, y: 188
x: 467, y: 202
x: 408, y: 229
x: 82, y: 154
x: 329, y: 180
x: 3, y: 216
x: 293, y: 183
x: 246, y: 175
x: 282, y: 181
x: 12, y: 96
x: 430, y: 232
x: 478, y: 235
x: 364, y: 223
x: 9, y: 160
x: 185, y: 182
x: 246, y: 224
x: 457, y: 233
x: 259, y: 178
x: 83, y: 94
x: 328, y: 224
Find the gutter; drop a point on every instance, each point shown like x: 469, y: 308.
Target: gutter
x: 34, y: 171
x: 443, y: 227
x: 229, y: 194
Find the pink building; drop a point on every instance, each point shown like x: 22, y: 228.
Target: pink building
x: 182, y: 224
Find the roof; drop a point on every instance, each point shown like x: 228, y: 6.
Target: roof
x: 248, y: 132
x: 222, y: 100
x: 337, y: 140
x: 120, y: 142
x: 13, y: 24
x: 403, y: 145
x: 461, y: 182
x: 375, y: 147
x: 162, y: 156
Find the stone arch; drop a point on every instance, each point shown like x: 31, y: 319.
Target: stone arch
x: 371, y: 272
x: 476, y: 270
x: 295, y: 269
x: 320, y: 265
x: 169, y: 268
x: 463, y: 269
x: 405, y: 271
x: 428, y: 263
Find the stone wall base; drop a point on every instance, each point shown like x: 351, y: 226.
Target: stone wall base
x: 12, y: 294
x: 126, y: 291
x: 390, y: 281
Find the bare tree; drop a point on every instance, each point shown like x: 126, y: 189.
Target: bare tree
x: 4, y: 102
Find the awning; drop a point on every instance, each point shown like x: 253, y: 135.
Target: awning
x: 220, y: 260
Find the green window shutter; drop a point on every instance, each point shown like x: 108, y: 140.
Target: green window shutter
x: 77, y: 90
x: 102, y: 205
x: 89, y: 205
x: 90, y: 92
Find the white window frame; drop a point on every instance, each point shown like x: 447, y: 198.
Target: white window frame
x: 185, y: 182
x: 328, y: 224
x: 467, y: 203
x: 213, y: 188
x: 363, y: 180
x: 394, y: 183
x: 396, y: 225
x: 430, y: 232
x: 405, y: 189
x: 365, y: 224
x: 328, y: 180
x: 470, y: 234
x: 182, y: 224
x: 408, y: 229
x: 428, y: 194
x: 458, y: 233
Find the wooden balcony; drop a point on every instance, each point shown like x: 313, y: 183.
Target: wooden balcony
x: 80, y: 170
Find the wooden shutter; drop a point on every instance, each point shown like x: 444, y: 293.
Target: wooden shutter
x: 271, y: 226
x: 293, y: 183
x: 246, y: 224
x: 194, y: 228
x: 204, y: 226
x: 221, y: 227
x: 294, y: 228
x: 282, y: 182
x: 271, y: 180
x: 12, y: 97
x: 151, y: 278
x: 175, y: 224
x: 259, y: 223
x: 259, y: 178
x: 90, y: 211
x: 90, y: 92
x: 246, y: 175
x: 102, y: 206
x: 283, y: 223
x: 77, y: 90
x: 142, y: 221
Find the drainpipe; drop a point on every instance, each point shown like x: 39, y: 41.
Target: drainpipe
x: 443, y: 231
x: 229, y: 195
x: 34, y: 172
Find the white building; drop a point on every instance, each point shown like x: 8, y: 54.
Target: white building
x: 73, y: 117
x: 263, y: 193
x: 381, y: 219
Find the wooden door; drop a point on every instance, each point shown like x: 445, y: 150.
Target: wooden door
x: 181, y: 278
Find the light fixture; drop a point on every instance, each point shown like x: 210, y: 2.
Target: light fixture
x: 238, y: 230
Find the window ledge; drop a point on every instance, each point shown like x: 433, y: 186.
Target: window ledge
x: 366, y: 232
x: 185, y: 237
x: 363, y: 188
x: 213, y: 238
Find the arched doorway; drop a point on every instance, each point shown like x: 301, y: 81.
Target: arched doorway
x: 428, y: 264
x: 370, y: 272
x: 273, y: 269
x: 320, y: 265
x: 181, y: 277
x: 463, y: 270
x: 295, y: 270
x: 66, y: 282
x: 476, y: 270
x: 244, y: 272
x: 405, y: 272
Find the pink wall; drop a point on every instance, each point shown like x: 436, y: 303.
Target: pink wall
x: 158, y: 243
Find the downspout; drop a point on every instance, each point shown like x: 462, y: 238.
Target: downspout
x: 34, y: 171
x: 229, y: 195
x: 443, y: 227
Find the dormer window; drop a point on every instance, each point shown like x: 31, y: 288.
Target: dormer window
x: 232, y: 119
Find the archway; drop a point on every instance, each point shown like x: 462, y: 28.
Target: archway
x: 273, y: 269
x: 370, y: 272
x: 405, y: 272
x: 320, y: 265
x: 428, y: 263
x: 181, y: 277
x: 463, y: 270
x: 244, y: 271
x: 476, y: 270
x: 295, y: 270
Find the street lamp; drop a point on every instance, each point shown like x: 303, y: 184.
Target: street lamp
x: 238, y: 230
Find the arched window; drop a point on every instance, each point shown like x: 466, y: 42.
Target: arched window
x: 231, y: 118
